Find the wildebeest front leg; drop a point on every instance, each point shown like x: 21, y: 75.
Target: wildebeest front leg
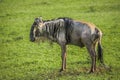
x: 93, y: 57
x: 63, y: 57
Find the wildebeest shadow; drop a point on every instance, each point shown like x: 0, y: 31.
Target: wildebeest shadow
x: 71, y: 71
x: 83, y: 71
x: 81, y: 62
x: 55, y: 74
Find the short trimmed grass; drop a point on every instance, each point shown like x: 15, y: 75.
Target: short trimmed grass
x: 21, y: 59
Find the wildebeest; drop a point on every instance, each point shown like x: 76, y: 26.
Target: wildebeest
x: 68, y: 31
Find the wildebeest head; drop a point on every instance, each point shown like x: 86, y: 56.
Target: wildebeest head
x: 36, y: 29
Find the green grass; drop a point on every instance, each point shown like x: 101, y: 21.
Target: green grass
x: 21, y: 59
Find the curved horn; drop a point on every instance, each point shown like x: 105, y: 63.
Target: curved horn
x: 40, y: 17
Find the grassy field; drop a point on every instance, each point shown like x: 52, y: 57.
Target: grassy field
x: 21, y: 59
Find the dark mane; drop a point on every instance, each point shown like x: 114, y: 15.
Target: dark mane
x: 64, y: 18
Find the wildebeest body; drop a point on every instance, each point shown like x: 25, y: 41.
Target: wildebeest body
x: 67, y: 31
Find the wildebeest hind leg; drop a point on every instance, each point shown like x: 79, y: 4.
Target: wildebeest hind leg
x: 93, y: 58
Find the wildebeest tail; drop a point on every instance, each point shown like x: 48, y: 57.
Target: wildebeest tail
x: 100, y: 50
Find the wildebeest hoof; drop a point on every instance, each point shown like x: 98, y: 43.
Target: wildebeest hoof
x: 61, y: 70
x: 91, y: 71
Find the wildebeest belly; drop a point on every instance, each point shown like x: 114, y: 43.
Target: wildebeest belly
x: 77, y: 42
x: 76, y: 39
